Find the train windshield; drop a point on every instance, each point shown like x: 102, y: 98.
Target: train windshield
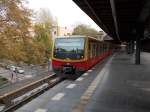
x: 69, y: 48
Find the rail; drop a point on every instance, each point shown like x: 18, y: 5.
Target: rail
x: 18, y: 104
x: 6, y: 98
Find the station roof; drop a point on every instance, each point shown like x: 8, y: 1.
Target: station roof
x: 118, y: 18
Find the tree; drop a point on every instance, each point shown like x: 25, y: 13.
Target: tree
x: 43, y: 27
x: 14, y: 20
x: 83, y: 29
x: 43, y: 40
x: 14, y: 24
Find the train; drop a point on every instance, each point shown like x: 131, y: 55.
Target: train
x: 77, y: 54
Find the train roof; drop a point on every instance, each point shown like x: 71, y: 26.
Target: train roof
x: 71, y: 36
x: 77, y: 36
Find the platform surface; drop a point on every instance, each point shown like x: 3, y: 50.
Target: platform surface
x: 114, y: 85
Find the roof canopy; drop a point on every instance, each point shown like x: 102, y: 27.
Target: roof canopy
x: 120, y: 19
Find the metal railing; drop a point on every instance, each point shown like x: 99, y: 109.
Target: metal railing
x: 29, y: 72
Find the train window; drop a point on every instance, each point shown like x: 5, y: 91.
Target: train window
x: 94, y: 50
x: 72, y: 48
x: 97, y: 49
x: 100, y: 50
x: 90, y: 50
x: 103, y: 48
x: 100, y: 46
x: 107, y: 47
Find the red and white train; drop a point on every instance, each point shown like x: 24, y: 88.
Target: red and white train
x: 78, y: 53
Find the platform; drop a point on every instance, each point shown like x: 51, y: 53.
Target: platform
x: 114, y: 85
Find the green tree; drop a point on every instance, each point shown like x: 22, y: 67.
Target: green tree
x: 43, y: 34
x: 83, y: 29
x: 43, y: 38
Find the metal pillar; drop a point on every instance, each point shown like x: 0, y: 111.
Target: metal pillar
x: 128, y: 48
x: 138, y: 49
x: 132, y: 46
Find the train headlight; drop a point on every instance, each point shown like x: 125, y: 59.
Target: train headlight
x: 68, y: 63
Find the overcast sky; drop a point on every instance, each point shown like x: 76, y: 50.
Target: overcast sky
x: 66, y: 11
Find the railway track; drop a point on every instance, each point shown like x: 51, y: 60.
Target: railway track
x: 21, y: 96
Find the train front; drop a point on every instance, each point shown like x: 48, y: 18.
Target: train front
x: 68, y: 55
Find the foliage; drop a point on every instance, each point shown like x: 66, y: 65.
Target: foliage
x: 14, y: 24
x: 16, y: 42
x: 83, y: 29
x: 43, y: 31
x: 43, y: 41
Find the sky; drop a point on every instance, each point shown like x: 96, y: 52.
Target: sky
x: 68, y: 14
